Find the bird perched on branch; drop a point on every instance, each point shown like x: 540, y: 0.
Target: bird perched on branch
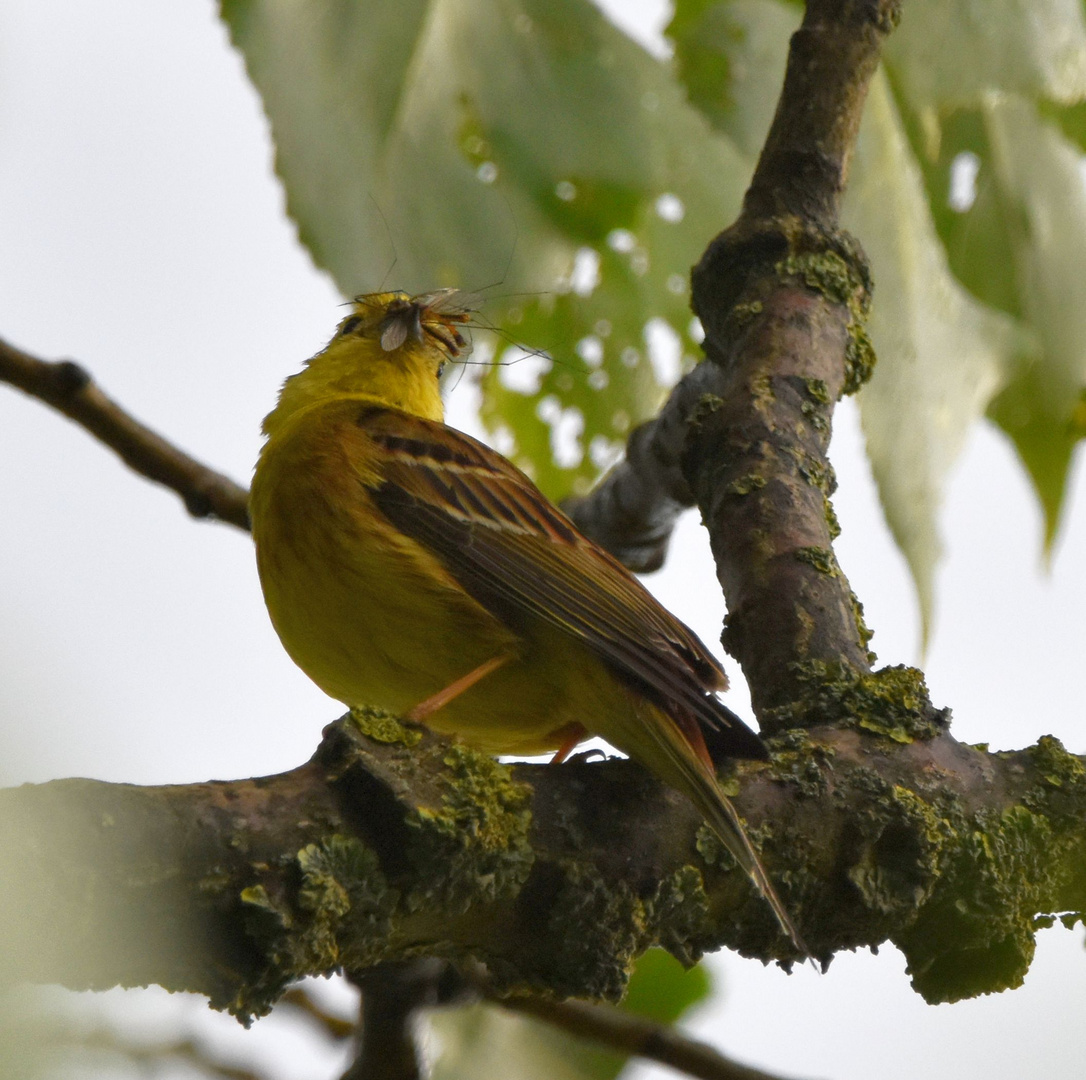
x: 408, y: 566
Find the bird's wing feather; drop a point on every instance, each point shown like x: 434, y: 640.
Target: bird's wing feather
x: 517, y: 553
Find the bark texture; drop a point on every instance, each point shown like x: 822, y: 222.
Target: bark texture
x: 393, y: 844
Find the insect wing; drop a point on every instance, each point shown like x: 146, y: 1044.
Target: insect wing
x: 395, y: 328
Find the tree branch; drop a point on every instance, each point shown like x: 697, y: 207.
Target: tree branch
x: 634, y: 1036
x: 393, y: 843
x: 782, y: 295
x: 69, y: 388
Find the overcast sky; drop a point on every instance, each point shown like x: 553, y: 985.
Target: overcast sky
x: 143, y: 234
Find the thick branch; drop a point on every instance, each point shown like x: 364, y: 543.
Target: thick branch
x: 782, y: 295
x: 554, y: 878
x: 69, y: 388
x: 391, y: 996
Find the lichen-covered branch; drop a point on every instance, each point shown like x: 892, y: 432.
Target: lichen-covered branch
x: 783, y: 295
x: 392, y: 844
x: 69, y: 388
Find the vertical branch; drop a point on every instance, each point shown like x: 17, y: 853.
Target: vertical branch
x: 392, y: 994
x: 783, y: 295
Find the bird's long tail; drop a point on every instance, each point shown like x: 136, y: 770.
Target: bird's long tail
x: 694, y: 777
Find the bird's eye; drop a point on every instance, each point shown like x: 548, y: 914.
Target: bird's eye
x: 350, y: 324
x: 440, y: 368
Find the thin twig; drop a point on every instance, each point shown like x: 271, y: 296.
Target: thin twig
x: 153, y: 1057
x: 634, y: 1036
x: 335, y: 1027
x: 69, y: 388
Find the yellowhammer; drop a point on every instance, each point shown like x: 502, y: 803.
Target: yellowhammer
x: 408, y: 566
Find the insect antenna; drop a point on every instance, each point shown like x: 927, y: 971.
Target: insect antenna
x: 391, y: 242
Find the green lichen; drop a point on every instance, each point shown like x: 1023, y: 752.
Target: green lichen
x: 341, y: 877
x: 600, y: 926
x: 256, y: 896
x: 822, y: 559
x: 762, y: 394
x: 744, y: 485
x: 743, y: 313
x: 342, y: 894
x: 705, y: 406
x: 603, y: 926
x: 801, y: 762
x: 383, y: 727
x: 712, y: 850
x: 862, y: 629
x: 824, y: 271
x: 1057, y: 767
x: 816, y: 470
x: 828, y: 273
x: 834, y: 527
x: 679, y: 917
x: 860, y: 358
x: 976, y: 934
x: 816, y: 415
x: 1061, y: 794
x: 818, y: 390
x: 892, y: 701
x: 474, y: 846
x: 961, y: 892
x: 898, y: 864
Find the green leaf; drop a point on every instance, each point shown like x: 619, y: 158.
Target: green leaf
x: 485, y: 1042
x: 502, y: 142
x: 730, y: 57
x: 1018, y: 246
x: 942, y: 356
x: 1039, y: 173
x: 661, y: 989
x: 953, y: 54
x: 1043, y: 443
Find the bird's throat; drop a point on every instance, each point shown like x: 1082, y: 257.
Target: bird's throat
x: 405, y: 378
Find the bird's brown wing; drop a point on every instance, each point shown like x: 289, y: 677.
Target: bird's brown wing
x: 518, y: 555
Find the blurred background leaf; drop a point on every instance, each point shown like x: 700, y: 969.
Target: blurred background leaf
x: 533, y: 146
x: 967, y: 195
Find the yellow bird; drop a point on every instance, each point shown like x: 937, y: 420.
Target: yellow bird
x: 408, y: 566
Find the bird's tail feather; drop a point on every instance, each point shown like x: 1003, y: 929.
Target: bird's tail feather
x: 695, y: 779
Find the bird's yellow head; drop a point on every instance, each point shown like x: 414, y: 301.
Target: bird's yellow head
x: 390, y: 349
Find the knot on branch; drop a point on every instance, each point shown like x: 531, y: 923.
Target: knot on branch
x: 755, y: 257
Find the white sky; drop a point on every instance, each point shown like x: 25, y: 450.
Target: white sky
x: 142, y: 233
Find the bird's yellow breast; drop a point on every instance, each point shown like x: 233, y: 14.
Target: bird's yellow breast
x: 373, y: 618
x: 365, y: 611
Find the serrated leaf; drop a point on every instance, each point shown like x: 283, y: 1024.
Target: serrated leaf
x: 942, y: 355
x: 955, y: 54
x: 1015, y: 239
x: 1018, y: 246
x: 1045, y: 447
x: 920, y: 404
x: 1040, y: 177
x: 500, y: 141
x: 486, y: 1042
